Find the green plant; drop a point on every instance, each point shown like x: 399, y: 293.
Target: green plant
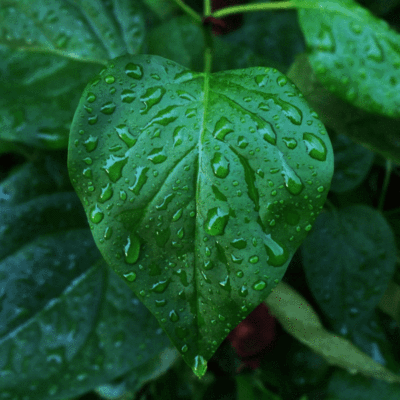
x: 203, y: 164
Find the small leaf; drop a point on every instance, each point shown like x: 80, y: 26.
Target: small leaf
x: 300, y: 320
x: 201, y: 192
x: 354, y: 54
x: 349, y: 276
x: 86, y: 30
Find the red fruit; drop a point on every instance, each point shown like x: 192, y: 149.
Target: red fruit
x: 253, y: 336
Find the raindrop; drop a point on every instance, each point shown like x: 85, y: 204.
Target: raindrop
x: 178, y: 135
x: 259, y: 285
x: 91, y: 97
x: 281, y: 80
x: 173, y: 316
x: 92, y: 119
x: 267, y: 132
x: 315, y: 146
x: 91, y: 143
x: 108, y: 108
x: 207, y: 265
x: 243, y: 291
x: 125, y: 135
x: 96, y: 215
x: 152, y: 97
x: 216, y: 221
x: 253, y: 259
x: 184, y: 348
x: 132, y: 249
x: 239, y: 243
x: 278, y: 255
x: 127, y: 96
x: 242, y: 142
x: 130, y: 276
x: 290, y: 143
x: 157, y: 156
x: 109, y: 79
x: 292, y: 181
x: 220, y: 165
x: 177, y: 215
x: 161, y: 286
x: 114, y: 166
x: 222, y: 128
x: 240, y: 274
x: 200, y: 366
x: 108, y: 233
x: 134, y: 71
x: 140, y: 179
x: 106, y: 193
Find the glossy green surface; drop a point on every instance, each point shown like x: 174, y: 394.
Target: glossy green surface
x: 198, y: 188
x: 354, y: 54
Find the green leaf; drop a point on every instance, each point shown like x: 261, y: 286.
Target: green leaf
x: 66, y: 326
x: 201, y: 188
x: 85, y: 30
x: 41, y: 94
x: 354, y: 54
x: 349, y: 258
x: 352, y: 164
x: 344, y: 386
x: 376, y: 132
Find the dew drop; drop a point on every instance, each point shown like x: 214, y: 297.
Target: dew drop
x: 278, y: 255
x: 253, y: 259
x: 242, y: 142
x: 108, y: 108
x: 161, y: 286
x: 184, y: 348
x: 132, y: 249
x: 216, y: 222
x: 127, y: 96
x: 293, y: 182
x: 91, y: 143
x: 315, y: 146
x: 114, y: 166
x: 96, y: 215
x: 173, y: 316
x: 267, y: 132
x: 239, y: 243
x: 106, y: 193
x: 260, y: 285
x: 152, y: 97
x: 130, y: 276
x: 92, y: 119
x: 207, y: 265
x: 177, y: 215
x: 125, y: 135
x: 281, y: 80
x: 140, y: 179
x: 290, y: 143
x: 220, y: 165
x: 157, y: 155
x: 222, y: 128
x: 134, y: 71
x: 91, y: 97
x: 243, y: 292
x: 109, y: 79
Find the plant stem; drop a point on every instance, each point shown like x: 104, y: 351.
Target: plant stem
x: 207, y: 8
x: 385, y: 185
x: 280, y: 5
x: 189, y: 11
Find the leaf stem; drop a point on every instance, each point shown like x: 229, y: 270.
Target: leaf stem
x: 188, y: 10
x: 280, y: 5
x: 207, y: 8
x: 385, y: 185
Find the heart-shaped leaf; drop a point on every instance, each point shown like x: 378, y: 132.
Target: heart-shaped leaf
x: 198, y: 187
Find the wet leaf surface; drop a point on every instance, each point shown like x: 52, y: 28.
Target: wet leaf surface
x: 198, y: 188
